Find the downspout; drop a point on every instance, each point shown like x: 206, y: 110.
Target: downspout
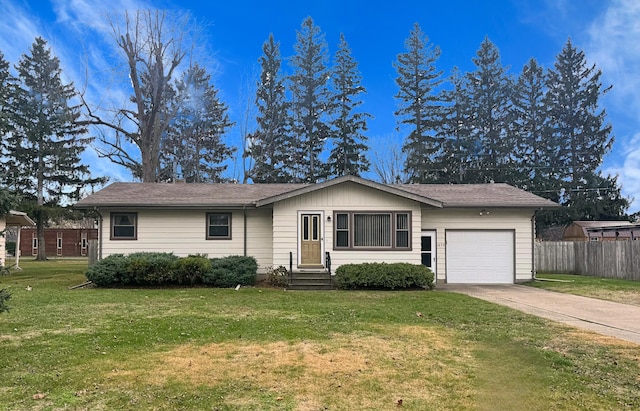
x: 99, y: 232
x: 244, y: 216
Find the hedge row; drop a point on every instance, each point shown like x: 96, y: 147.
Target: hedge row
x: 380, y: 276
x: 154, y: 269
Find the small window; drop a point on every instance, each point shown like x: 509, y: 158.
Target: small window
x: 124, y: 226
x: 219, y: 226
x: 402, y: 230
x: 342, y: 230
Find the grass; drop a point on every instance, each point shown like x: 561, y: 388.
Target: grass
x: 621, y: 291
x: 267, y: 349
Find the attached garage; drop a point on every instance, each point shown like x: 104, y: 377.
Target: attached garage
x: 480, y: 256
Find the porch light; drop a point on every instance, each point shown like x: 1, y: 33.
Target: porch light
x: 484, y: 211
x: 329, y: 218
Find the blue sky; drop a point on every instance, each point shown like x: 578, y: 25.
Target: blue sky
x: 233, y: 33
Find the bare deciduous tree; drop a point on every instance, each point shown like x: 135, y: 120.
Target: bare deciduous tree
x: 154, y: 44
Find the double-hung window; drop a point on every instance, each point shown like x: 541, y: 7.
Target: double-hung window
x: 124, y: 226
x: 356, y: 230
x: 219, y: 226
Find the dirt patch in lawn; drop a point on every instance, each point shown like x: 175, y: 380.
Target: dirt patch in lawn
x: 411, y: 363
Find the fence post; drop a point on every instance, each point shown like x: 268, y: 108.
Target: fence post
x: 92, y: 251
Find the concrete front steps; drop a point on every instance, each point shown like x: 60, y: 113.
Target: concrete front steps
x: 312, y: 281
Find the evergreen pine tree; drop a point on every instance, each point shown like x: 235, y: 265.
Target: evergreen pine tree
x: 580, y: 136
x: 420, y: 105
x: 529, y: 124
x: 347, y: 156
x: 193, y: 148
x: 7, y: 88
x: 269, y: 145
x: 455, y: 129
x: 310, y: 101
x: 43, y: 151
x: 490, y: 99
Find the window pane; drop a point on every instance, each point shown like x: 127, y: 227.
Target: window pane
x: 314, y: 227
x: 218, y: 231
x: 124, y: 231
x: 372, y: 230
x: 342, y: 221
x: 402, y: 239
x: 402, y: 221
x: 426, y: 259
x: 305, y: 228
x: 342, y: 239
x: 123, y: 219
x: 426, y: 243
x: 219, y: 219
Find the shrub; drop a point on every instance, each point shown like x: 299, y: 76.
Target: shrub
x: 151, y: 268
x: 231, y: 271
x: 278, y: 277
x: 109, y: 271
x: 191, y: 269
x: 383, y: 276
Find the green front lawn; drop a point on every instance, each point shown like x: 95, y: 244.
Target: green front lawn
x: 266, y: 349
x: 622, y: 291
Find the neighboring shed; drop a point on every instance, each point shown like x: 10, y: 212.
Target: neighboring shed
x: 19, y: 220
x: 601, y: 231
x: 59, y: 242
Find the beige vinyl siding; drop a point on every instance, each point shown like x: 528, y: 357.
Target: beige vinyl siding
x: 3, y: 242
x: 259, y: 237
x: 470, y: 219
x: 183, y: 232
x: 343, y: 197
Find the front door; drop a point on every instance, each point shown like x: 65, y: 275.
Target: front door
x: 428, y: 250
x: 310, y: 245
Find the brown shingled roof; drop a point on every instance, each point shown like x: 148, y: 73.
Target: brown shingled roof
x: 182, y: 194
x: 193, y: 195
x: 479, y: 195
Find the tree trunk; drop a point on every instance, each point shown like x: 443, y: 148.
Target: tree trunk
x: 40, y: 222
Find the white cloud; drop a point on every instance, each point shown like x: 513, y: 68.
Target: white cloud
x: 18, y: 32
x: 614, y: 47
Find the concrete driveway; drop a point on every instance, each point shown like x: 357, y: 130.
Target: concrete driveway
x: 604, y: 317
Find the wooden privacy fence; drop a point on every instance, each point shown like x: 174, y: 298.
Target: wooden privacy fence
x: 607, y: 259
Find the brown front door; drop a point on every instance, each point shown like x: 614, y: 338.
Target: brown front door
x: 310, y: 240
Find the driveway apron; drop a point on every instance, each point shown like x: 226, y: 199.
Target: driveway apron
x: 604, y: 317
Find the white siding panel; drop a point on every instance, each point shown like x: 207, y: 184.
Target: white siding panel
x: 342, y: 197
x: 470, y: 219
x: 183, y: 232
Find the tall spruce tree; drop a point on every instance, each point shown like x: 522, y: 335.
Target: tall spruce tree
x: 581, y: 137
x: 43, y: 150
x: 269, y: 146
x: 7, y: 89
x: 192, y: 148
x: 528, y: 128
x: 310, y: 103
x: 455, y: 129
x: 490, y: 100
x: 420, y: 104
x: 348, y: 154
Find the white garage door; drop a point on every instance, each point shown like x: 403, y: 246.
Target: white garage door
x: 480, y: 257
